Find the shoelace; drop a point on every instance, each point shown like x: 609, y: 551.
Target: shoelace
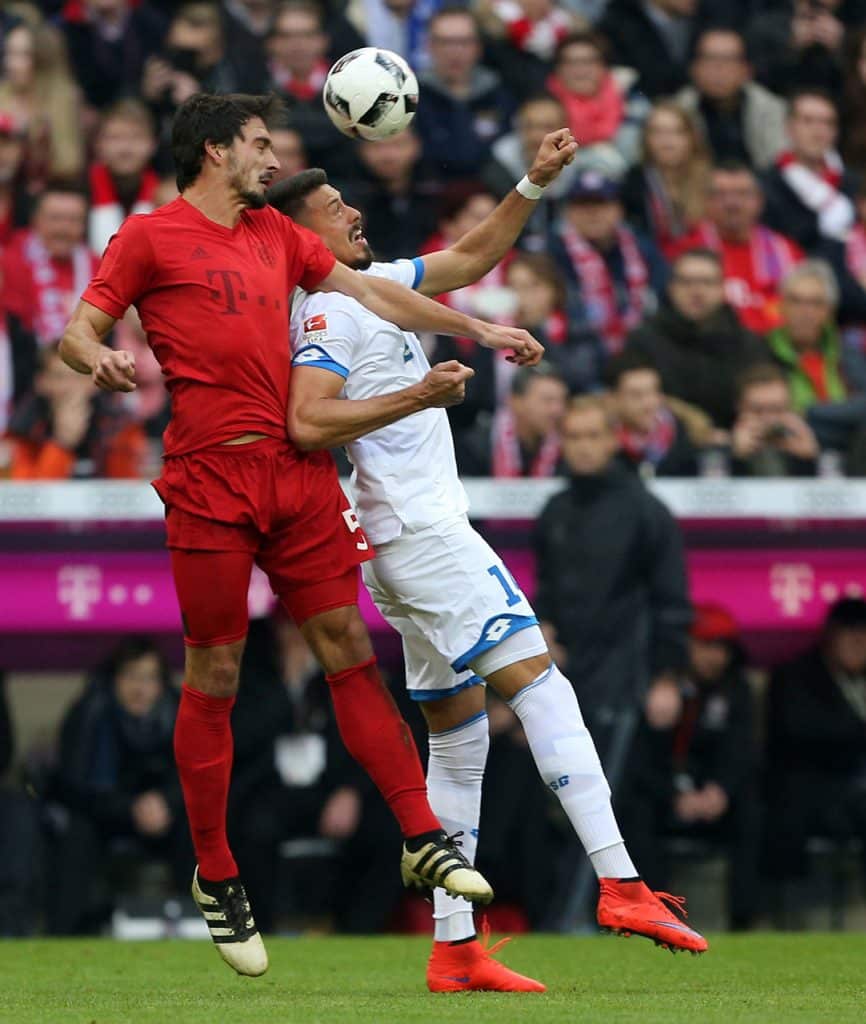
x: 485, y: 939
x: 453, y: 842
x: 675, y: 903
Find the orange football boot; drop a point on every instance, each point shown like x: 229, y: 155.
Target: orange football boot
x: 630, y: 908
x: 470, y: 967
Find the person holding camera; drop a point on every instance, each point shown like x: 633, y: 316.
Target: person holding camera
x: 768, y: 438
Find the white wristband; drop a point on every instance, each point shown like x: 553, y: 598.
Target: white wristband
x: 528, y: 190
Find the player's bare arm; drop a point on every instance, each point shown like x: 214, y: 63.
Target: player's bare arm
x: 83, y: 348
x: 319, y: 418
x: 478, y: 252
x: 413, y: 312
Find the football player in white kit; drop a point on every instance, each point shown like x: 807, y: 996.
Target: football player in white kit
x: 361, y: 382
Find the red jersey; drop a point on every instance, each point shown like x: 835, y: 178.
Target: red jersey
x: 213, y: 303
x: 753, y: 273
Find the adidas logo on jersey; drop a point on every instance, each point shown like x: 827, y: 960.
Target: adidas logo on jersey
x: 199, y: 254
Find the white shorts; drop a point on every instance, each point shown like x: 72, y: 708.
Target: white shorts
x: 450, y: 596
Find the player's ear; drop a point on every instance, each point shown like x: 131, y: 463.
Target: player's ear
x: 215, y: 150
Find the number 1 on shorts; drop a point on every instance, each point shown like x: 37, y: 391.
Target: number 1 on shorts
x: 513, y: 595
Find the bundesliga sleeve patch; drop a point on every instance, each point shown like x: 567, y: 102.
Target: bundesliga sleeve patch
x: 315, y: 328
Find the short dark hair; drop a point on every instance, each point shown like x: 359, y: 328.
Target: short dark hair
x: 449, y: 11
x: 847, y: 613
x: 290, y: 195
x: 207, y: 117
x: 733, y: 166
x: 698, y: 253
x: 524, y: 377
x: 715, y: 30
x: 628, y: 361
x: 63, y: 187
x: 760, y: 373
x: 815, y: 92
x: 583, y: 37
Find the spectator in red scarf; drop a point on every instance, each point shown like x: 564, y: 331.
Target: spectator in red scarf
x: 522, y: 438
x: 666, y: 193
x: 754, y: 257
x: 47, y: 267
x: 652, y: 439
x: 67, y: 429
x: 613, y: 275
x: 297, y: 47
x: 122, y: 180
x: 809, y: 193
x: 14, y: 198
x: 604, y: 107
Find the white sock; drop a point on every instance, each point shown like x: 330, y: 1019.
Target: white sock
x: 455, y: 770
x: 568, y: 763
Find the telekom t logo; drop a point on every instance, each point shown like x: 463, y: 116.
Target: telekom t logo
x: 79, y: 588
x: 792, y: 586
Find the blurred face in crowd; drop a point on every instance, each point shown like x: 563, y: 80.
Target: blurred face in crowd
x: 391, y: 160
x: 125, y: 145
x: 806, y: 309
x: 580, y: 67
x: 138, y: 684
x: 455, y: 47
x: 535, y: 120
x: 676, y: 8
x: 846, y: 647
x: 340, y: 226
x: 108, y: 10
x: 11, y: 155
x: 696, y: 287
x: 588, y: 441
x: 812, y: 128
x: 639, y: 399
x: 765, y: 403
x: 668, y: 141
x: 720, y: 68
x: 289, y: 150
x: 596, y: 220
x: 709, y: 659
x: 18, y: 51
x: 297, y: 41
x: 469, y: 216
x: 734, y: 204
x: 536, y: 294
x: 539, y: 410
x: 60, y: 221
x: 200, y: 32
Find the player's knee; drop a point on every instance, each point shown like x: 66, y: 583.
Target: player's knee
x: 214, y: 670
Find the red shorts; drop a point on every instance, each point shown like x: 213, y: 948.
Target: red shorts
x: 265, y: 503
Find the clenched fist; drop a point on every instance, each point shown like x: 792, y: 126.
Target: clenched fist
x: 445, y: 384
x: 114, y: 371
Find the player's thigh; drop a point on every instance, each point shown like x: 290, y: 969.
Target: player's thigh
x: 430, y: 680
x: 338, y: 635
x: 454, y: 588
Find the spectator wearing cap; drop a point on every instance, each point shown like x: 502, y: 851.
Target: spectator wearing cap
x: 621, y: 622
x: 613, y: 275
x: 604, y: 106
x: 809, y: 194
x: 466, y: 105
x: 109, y: 42
x: 816, y: 742
x: 14, y: 197
x: 768, y: 437
x: 121, y: 179
x: 653, y: 440
x: 740, y: 119
x: 654, y: 37
x: 696, y: 340
x: 522, y: 438
x: 692, y: 769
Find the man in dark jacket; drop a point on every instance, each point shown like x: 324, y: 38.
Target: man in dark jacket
x: 653, y: 440
x: 695, y: 339
x: 466, y: 106
x: 116, y: 779
x: 816, y: 742
x: 691, y: 771
x: 612, y: 595
x: 655, y: 38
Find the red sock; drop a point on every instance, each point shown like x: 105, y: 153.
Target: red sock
x: 377, y: 736
x: 203, y: 750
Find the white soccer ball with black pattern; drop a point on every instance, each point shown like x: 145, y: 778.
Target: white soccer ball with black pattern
x: 371, y: 93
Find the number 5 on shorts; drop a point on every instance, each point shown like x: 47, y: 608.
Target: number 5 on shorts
x: 513, y: 596
x: 353, y: 524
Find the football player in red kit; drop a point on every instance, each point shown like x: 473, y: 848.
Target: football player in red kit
x: 210, y: 274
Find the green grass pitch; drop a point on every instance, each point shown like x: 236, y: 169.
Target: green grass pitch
x: 762, y: 978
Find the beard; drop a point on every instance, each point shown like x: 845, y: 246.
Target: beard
x: 249, y: 197
x: 253, y: 200
x: 363, y: 262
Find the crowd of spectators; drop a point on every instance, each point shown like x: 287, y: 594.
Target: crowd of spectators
x: 711, y: 225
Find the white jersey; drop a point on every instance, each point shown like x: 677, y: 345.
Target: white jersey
x: 405, y: 474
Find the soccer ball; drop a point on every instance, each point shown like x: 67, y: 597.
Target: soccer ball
x: 371, y: 93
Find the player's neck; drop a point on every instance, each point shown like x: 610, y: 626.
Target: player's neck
x: 215, y: 203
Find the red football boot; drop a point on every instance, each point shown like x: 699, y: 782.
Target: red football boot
x: 470, y: 967
x: 630, y: 908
